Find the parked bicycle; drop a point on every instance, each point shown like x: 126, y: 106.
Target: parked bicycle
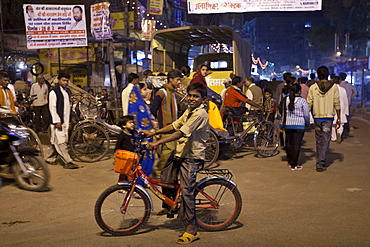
x: 90, y: 136
x: 265, y: 135
x: 124, y: 208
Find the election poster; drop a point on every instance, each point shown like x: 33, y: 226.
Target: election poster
x: 55, y: 26
x: 100, y: 21
x: 228, y: 6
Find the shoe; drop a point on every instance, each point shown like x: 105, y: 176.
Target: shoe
x: 320, y: 169
x: 70, y: 165
x: 339, y: 138
x: 52, y: 163
x: 163, y: 212
x: 188, y: 238
x: 296, y: 168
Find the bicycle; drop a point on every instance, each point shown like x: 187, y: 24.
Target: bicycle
x: 124, y: 208
x: 265, y: 135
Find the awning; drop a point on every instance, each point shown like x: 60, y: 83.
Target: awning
x: 197, y: 35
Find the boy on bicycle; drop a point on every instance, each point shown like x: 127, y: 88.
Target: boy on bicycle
x: 191, y: 133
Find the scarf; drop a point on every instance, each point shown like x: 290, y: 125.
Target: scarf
x: 170, y: 113
x: 10, y: 96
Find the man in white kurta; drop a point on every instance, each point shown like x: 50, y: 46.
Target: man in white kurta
x: 336, y: 134
x: 60, y: 109
x: 132, y: 79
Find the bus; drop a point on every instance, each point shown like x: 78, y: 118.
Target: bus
x: 221, y: 48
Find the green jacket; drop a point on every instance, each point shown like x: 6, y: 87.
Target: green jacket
x: 323, y: 99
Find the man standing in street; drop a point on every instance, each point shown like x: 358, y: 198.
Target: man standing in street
x: 6, y: 96
x: 164, y: 109
x: 323, y: 100
x: 253, y: 92
x: 60, y: 109
x: 40, y: 106
x: 132, y: 80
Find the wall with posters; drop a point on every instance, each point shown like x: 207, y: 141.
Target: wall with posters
x: 77, y: 61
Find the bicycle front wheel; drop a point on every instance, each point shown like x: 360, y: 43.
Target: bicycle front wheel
x: 266, y: 139
x: 224, y: 208
x: 111, y: 217
x: 33, y: 140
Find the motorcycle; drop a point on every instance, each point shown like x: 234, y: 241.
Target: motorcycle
x: 19, y: 160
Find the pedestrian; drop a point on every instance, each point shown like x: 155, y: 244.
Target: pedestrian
x: 289, y: 81
x: 191, y: 132
x: 312, y: 80
x: 40, y: 93
x: 269, y: 105
x: 295, y: 119
x: 200, y: 74
x: 125, y: 140
x: 323, y: 100
x: 185, y: 80
x: 304, y: 91
x: 351, y: 93
x: 6, y: 96
x: 253, y: 92
x: 137, y: 107
x: 164, y: 108
x: 227, y: 84
x: 279, y: 88
x: 60, y: 109
x: 337, y: 131
x: 132, y: 79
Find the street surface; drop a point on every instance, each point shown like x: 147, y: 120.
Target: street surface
x: 280, y: 207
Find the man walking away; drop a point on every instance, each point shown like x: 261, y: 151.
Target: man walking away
x: 40, y: 106
x: 323, y: 100
x: 351, y: 93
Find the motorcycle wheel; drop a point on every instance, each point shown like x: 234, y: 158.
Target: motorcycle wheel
x: 37, y: 176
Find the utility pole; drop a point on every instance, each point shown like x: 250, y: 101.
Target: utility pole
x: 2, y: 35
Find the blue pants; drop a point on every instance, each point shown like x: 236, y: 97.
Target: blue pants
x: 323, y: 137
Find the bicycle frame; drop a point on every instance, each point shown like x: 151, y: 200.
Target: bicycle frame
x: 174, y: 204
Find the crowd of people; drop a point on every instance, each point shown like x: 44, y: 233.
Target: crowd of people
x: 180, y: 126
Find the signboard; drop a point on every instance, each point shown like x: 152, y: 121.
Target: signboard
x: 148, y: 28
x: 55, y: 26
x: 100, y: 25
x: 225, y: 6
x: 155, y: 7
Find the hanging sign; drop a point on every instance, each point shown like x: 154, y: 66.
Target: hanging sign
x: 148, y: 28
x: 227, y: 6
x: 100, y: 24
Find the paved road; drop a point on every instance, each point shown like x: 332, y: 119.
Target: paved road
x: 280, y: 207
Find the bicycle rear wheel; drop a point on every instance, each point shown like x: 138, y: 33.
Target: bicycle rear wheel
x: 212, y: 149
x: 110, y: 217
x: 228, y: 206
x: 89, y: 142
x: 266, y: 139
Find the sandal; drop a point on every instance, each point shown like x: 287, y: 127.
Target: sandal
x: 188, y: 238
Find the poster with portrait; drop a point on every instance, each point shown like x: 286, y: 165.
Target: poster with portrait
x: 227, y: 6
x: 55, y: 26
x: 100, y: 21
